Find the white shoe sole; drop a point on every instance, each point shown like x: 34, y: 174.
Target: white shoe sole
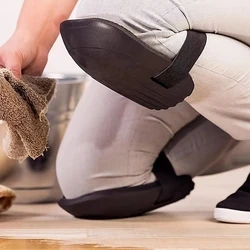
x: 232, y: 216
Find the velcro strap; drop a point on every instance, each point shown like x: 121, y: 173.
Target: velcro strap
x: 184, y: 61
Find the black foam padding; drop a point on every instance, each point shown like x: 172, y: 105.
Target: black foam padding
x: 132, y: 201
x: 119, y: 60
x: 240, y: 200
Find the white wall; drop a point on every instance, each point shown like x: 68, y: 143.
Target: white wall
x: 59, y: 60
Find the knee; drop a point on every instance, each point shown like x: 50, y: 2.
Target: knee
x: 77, y: 172
x: 86, y: 169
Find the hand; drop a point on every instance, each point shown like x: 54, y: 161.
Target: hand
x: 23, y: 55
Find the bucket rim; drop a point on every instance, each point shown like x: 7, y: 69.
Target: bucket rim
x: 66, y: 78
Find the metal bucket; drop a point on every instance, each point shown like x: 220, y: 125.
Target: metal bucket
x: 35, y: 180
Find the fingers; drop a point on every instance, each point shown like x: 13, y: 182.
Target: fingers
x: 32, y: 64
x: 15, y: 68
x: 11, y: 61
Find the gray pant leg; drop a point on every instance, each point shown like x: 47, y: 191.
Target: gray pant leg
x: 112, y: 142
x: 237, y: 157
x: 201, y: 148
x: 221, y: 74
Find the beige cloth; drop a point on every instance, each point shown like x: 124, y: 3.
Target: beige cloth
x: 23, y: 104
x: 6, y: 198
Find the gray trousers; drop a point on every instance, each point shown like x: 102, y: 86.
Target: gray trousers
x: 113, y: 142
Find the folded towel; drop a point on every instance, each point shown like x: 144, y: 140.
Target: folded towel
x: 23, y: 104
x: 6, y: 198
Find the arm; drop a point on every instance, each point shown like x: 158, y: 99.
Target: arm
x: 36, y: 31
x: 41, y: 20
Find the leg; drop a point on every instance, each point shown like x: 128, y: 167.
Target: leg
x: 114, y: 142
x: 226, y: 17
x: 221, y: 75
x: 116, y: 145
x: 237, y: 157
x: 201, y: 148
x: 164, y: 18
x: 114, y: 149
x: 222, y: 86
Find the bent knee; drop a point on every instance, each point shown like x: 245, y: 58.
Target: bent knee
x: 87, y: 170
x: 83, y: 171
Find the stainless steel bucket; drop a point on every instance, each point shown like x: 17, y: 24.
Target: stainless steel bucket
x: 35, y: 180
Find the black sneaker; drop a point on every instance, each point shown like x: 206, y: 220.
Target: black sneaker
x: 236, y: 207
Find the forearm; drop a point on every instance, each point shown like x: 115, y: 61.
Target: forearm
x: 40, y: 20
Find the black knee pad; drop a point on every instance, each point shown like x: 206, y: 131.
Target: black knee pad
x: 116, y: 58
x: 132, y: 201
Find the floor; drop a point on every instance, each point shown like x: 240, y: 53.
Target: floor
x: 186, y: 225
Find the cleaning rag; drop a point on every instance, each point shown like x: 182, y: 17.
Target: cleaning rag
x: 23, y: 105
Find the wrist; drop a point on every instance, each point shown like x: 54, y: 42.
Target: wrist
x: 24, y: 37
x: 44, y: 38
